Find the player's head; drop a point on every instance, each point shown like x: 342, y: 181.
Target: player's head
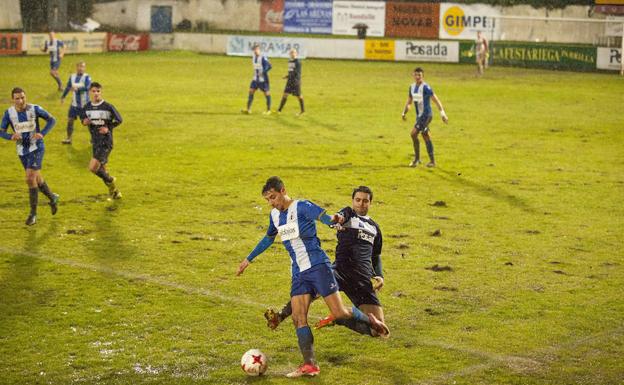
x: 51, y: 34
x: 19, y: 98
x: 362, y: 198
x: 275, y: 193
x: 478, y: 34
x: 81, y: 67
x: 418, y: 74
x: 95, y: 92
x: 293, y: 53
x: 256, y: 49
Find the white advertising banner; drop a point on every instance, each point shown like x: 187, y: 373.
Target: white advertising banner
x: 346, y: 14
x: 462, y: 21
x: 74, y: 42
x: 427, y: 50
x: 609, y: 59
x: 270, y: 46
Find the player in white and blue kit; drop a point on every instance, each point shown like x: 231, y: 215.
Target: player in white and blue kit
x: 421, y: 94
x: 24, y: 118
x: 56, y: 48
x: 260, y: 80
x: 78, y: 84
x: 294, y: 221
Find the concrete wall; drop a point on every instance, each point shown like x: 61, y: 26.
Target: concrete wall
x: 550, y: 31
x: 218, y: 14
x: 10, y: 14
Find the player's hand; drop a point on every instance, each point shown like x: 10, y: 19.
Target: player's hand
x: 16, y: 136
x: 86, y: 121
x: 377, y: 282
x: 403, y: 116
x: 337, y: 218
x: 243, y: 265
x: 444, y: 117
x: 62, y: 101
x: 103, y: 130
x: 37, y: 136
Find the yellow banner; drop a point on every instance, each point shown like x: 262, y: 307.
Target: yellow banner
x: 33, y: 43
x: 379, y: 49
x: 609, y: 2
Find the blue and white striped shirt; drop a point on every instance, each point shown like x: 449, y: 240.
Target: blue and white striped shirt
x: 80, y: 97
x: 54, y: 47
x: 26, y: 123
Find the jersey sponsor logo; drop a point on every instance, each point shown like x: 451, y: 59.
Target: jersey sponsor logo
x: 23, y: 127
x: 98, y: 122
x: 288, y: 231
x: 363, y: 235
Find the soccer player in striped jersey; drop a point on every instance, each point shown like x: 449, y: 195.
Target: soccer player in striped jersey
x: 24, y: 120
x: 56, y: 48
x: 101, y: 117
x: 421, y: 94
x: 357, y: 268
x: 260, y: 80
x: 294, y: 222
x: 78, y: 84
x: 293, y: 82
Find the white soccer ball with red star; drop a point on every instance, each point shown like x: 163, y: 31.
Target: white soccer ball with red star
x: 254, y: 362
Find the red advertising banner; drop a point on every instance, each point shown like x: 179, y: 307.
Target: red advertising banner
x: 413, y: 20
x: 272, y: 16
x: 128, y: 42
x: 10, y: 43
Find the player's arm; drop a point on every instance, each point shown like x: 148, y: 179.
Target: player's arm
x: 50, y: 121
x: 45, y: 47
x: 264, y: 244
x: 67, y: 88
x: 315, y: 212
x: 439, y: 104
x: 87, y: 84
x: 4, y: 125
x: 116, y: 121
x: 378, y: 278
x: 266, y: 65
x: 61, y: 48
x: 408, y: 103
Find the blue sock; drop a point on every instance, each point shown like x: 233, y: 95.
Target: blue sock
x: 306, y: 344
x: 268, y: 102
x: 249, y: 101
x: 430, y: 150
x: 359, y: 316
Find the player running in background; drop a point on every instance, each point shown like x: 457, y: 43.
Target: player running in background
x: 482, y: 52
x: 56, y: 48
x: 293, y: 84
x: 102, y: 118
x: 78, y: 84
x: 357, y: 268
x: 261, y: 68
x: 24, y: 120
x: 294, y: 221
x: 421, y: 94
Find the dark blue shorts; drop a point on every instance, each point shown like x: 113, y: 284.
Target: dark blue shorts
x: 422, y: 123
x: 32, y: 160
x: 74, y: 112
x: 264, y: 86
x: 54, y: 65
x: 319, y: 279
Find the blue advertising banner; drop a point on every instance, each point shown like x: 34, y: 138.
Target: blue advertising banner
x: 308, y: 16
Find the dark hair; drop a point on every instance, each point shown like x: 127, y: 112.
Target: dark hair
x: 274, y: 183
x: 95, y: 85
x: 419, y: 69
x: 363, y: 189
x: 16, y: 90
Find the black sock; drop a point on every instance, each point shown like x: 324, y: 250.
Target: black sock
x: 416, y: 149
x: 429, y: 145
x: 58, y: 81
x: 101, y: 172
x: 301, y: 104
x: 34, y: 198
x: 70, y: 128
x: 43, y: 187
x: 285, y: 312
x: 355, y: 325
x: 282, y: 103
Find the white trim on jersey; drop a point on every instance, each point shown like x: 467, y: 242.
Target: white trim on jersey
x: 296, y: 243
x: 418, y: 97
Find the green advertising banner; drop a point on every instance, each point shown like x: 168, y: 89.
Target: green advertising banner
x: 535, y: 55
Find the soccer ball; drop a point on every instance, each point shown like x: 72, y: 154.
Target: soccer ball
x: 254, y: 362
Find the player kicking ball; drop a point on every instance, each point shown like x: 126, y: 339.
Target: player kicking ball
x: 295, y: 222
x: 102, y: 118
x: 421, y: 94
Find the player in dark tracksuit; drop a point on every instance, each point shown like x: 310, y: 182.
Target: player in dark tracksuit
x: 357, y: 267
x: 293, y: 82
x: 102, y: 118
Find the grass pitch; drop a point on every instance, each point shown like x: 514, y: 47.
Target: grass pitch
x: 142, y: 291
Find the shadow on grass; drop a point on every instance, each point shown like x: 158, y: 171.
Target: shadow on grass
x: 78, y: 158
x: 111, y: 244
x: 482, y: 189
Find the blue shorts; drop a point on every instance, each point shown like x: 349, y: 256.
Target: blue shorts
x: 319, y: 279
x: 74, y: 112
x: 422, y: 123
x: 32, y: 160
x: 264, y: 86
x: 54, y: 65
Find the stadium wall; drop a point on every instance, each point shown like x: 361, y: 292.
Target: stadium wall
x: 11, y: 15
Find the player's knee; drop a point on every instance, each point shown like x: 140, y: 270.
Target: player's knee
x: 299, y: 319
x: 93, y: 167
